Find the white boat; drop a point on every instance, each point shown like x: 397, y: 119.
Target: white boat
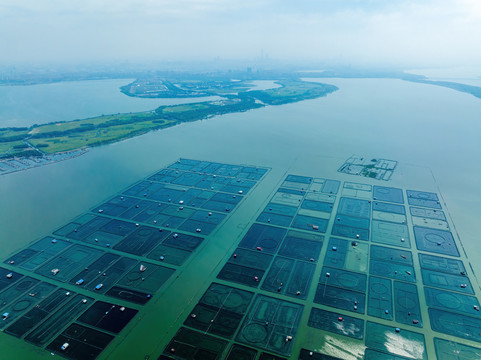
x: 142, y: 268
x: 64, y: 346
x: 55, y: 271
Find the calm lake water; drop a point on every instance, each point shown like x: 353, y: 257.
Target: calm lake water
x: 432, y: 131
x: 44, y: 103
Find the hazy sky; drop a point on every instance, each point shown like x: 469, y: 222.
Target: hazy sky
x: 390, y: 32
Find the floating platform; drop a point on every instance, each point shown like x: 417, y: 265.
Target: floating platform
x: 370, y: 269
x: 126, y: 248
x: 360, y: 270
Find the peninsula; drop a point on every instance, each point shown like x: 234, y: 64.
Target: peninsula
x: 59, y: 137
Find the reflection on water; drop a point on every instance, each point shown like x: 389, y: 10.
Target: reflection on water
x: 400, y: 345
x: 338, y: 348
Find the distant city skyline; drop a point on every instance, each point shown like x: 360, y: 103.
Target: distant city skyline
x: 394, y: 33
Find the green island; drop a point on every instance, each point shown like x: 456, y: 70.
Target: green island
x: 39, y: 140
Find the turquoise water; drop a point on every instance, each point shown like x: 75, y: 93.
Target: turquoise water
x: 425, y: 128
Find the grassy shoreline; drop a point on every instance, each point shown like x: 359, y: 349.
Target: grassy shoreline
x: 56, y: 137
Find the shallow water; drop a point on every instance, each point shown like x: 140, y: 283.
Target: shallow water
x: 431, y: 131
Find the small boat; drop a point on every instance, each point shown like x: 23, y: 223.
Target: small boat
x: 99, y: 286
x: 142, y: 268
x: 55, y: 271
x: 64, y: 346
x: 79, y: 282
x: 5, y: 315
x: 9, y: 275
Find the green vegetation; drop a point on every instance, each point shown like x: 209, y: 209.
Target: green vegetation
x: 7, y: 147
x: 290, y: 91
x: 202, y: 86
x: 196, y: 111
x: 12, y: 134
x: 72, y: 135
x: 103, y: 133
x: 15, y: 148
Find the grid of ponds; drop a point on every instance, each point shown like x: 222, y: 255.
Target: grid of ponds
x: 124, y: 250
x: 377, y: 265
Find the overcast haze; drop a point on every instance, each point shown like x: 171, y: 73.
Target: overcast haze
x: 406, y: 33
